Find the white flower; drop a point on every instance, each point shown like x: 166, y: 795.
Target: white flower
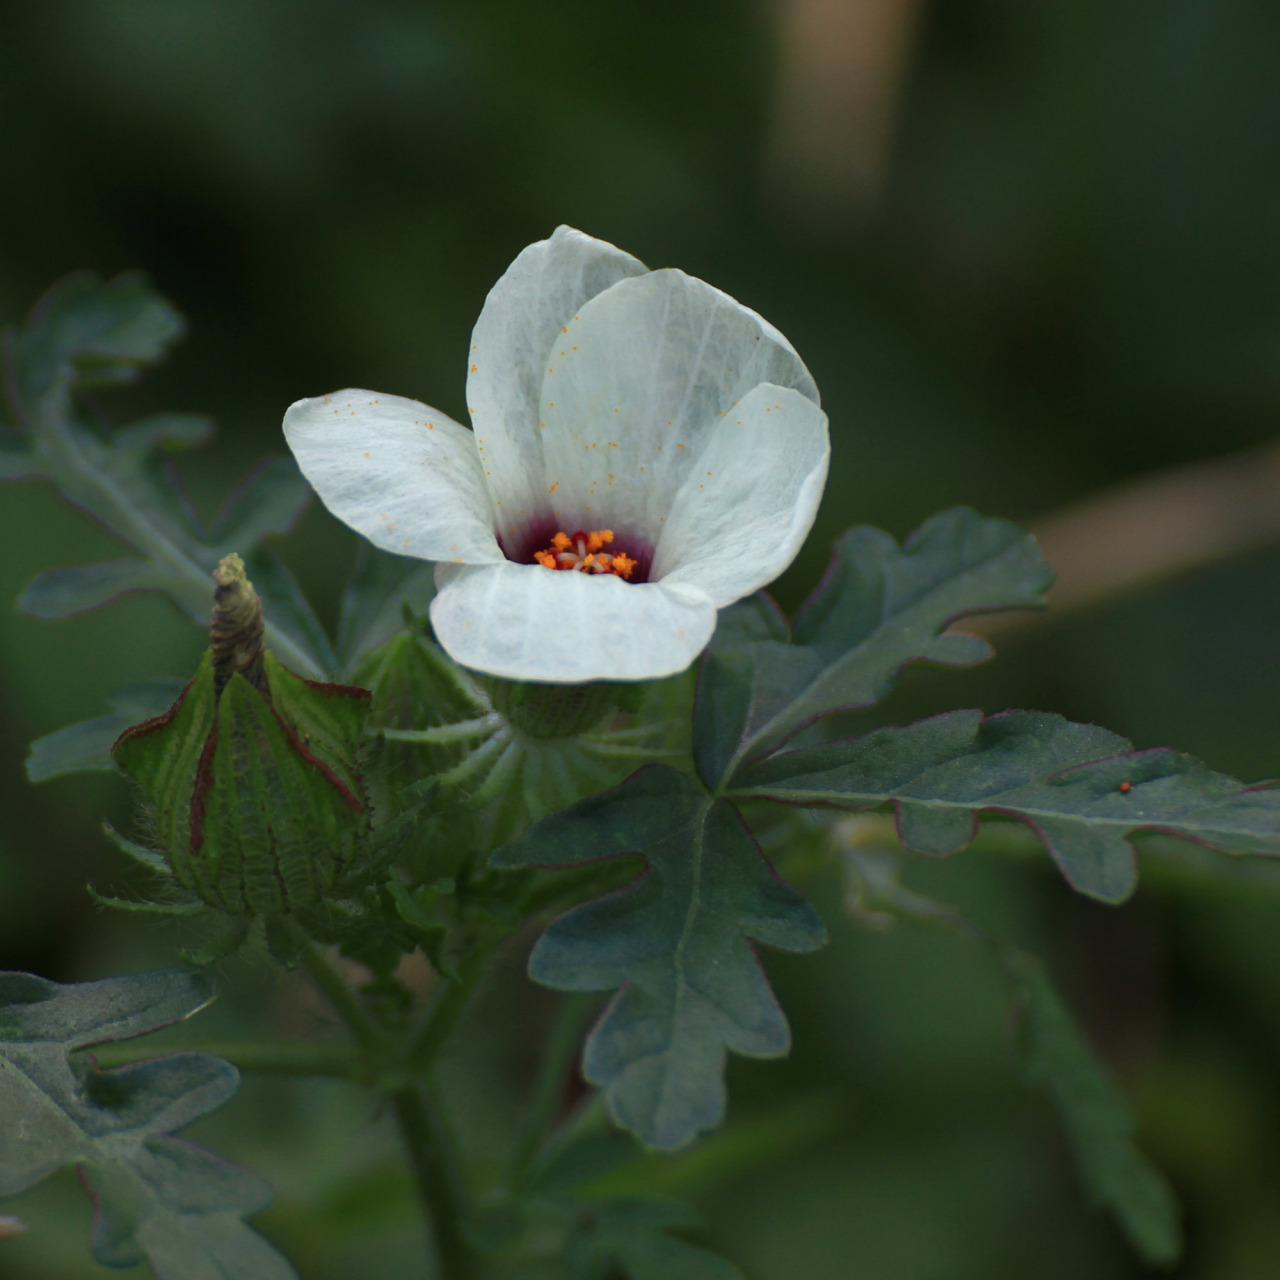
x: 672, y: 428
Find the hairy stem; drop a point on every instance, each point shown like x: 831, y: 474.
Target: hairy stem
x: 442, y: 1012
x: 439, y: 1182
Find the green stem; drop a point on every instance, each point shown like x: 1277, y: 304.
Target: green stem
x: 443, y: 1010
x: 265, y: 1057
x: 441, y: 1192
x: 439, y: 1183
x: 343, y: 1000
x: 548, y: 1085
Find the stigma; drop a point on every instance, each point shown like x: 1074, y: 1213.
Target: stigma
x: 586, y: 553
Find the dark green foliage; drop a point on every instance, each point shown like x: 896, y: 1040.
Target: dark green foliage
x: 417, y: 912
x: 615, y: 1234
x: 415, y: 687
x: 1080, y: 788
x: 158, y: 1199
x: 87, y: 745
x: 1117, y: 1175
x: 1056, y: 1056
x: 88, y: 333
x: 677, y: 941
x: 382, y: 587
x: 878, y: 608
x: 631, y: 1237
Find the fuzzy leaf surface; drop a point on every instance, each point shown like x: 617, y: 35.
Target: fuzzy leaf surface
x: 879, y: 607
x: 1081, y: 789
x: 86, y: 333
x: 676, y: 941
x: 158, y: 1199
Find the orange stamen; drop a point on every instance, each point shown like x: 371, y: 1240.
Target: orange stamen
x: 582, y: 551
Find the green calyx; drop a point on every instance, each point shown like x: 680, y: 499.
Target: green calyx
x: 558, y: 710
x: 254, y: 776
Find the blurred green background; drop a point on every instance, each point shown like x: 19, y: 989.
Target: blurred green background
x: 1030, y: 250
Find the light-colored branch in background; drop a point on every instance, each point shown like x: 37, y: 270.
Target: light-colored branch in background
x: 1154, y: 527
x: 840, y: 74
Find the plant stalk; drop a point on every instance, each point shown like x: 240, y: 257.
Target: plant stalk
x: 341, y: 998
x: 440, y: 1189
x: 428, y: 1145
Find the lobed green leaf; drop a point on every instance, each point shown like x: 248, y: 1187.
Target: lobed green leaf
x: 158, y: 1199
x: 1081, y: 789
x: 1056, y: 1056
x: 88, y: 332
x: 677, y: 941
x: 879, y: 608
x: 1098, y: 1120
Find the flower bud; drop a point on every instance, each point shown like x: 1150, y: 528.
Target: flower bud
x: 254, y: 775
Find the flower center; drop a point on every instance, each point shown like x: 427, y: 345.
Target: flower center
x: 586, y: 553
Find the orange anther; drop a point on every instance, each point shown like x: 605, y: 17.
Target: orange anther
x: 582, y: 551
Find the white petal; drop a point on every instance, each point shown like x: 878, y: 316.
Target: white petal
x: 648, y: 371
x: 524, y: 622
x: 745, y: 511
x: 404, y: 475
x: 512, y: 347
